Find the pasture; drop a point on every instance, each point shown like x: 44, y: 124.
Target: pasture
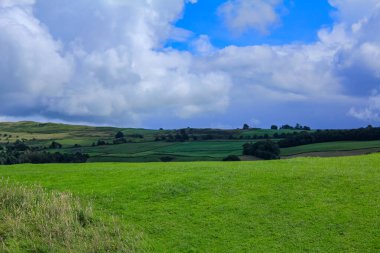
x: 297, y: 205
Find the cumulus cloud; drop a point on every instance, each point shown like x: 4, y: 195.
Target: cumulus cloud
x: 31, y: 64
x: 351, y: 11
x: 109, y: 64
x: 372, y: 110
x: 203, y: 45
x: 9, y: 3
x: 357, y: 50
x: 242, y: 15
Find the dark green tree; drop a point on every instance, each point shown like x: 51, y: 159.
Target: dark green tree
x: 267, y: 150
x: 119, y: 135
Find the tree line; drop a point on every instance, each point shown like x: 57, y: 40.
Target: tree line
x: 19, y: 152
x: 303, y: 138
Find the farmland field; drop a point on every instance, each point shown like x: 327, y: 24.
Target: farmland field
x: 330, y: 146
x: 297, y: 205
x: 152, y: 151
x: 144, y: 145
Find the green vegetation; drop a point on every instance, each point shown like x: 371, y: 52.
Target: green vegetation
x: 331, y: 146
x: 362, y: 134
x: 33, y: 220
x: 297, y: 205
x: 108, y: 144
x: 267, y: 150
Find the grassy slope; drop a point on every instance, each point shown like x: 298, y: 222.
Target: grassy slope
x: 300, y: 205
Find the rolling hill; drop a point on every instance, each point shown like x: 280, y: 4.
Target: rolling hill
x: 144, y: 145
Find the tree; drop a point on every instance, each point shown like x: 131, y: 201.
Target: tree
x: 245, y: 127
x: 274, y: 127
x: 287, y: 127
x: 119, y: 135
x: 101, y: 143
x: 55, y: 145
x: 267, y: 150
x: 306, y: 128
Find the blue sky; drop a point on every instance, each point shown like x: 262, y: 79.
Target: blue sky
x: 300, y: 22
x: 198, y: 63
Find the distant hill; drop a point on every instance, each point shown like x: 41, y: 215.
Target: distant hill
x: 147, y: 145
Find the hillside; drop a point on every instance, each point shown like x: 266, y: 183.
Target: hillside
x: 144, y: 145
x: 141, y: 145
x: 297, y: 205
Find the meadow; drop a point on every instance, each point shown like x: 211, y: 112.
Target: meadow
x: 296, y: 205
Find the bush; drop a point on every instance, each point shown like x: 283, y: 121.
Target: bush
x: 231, y: 158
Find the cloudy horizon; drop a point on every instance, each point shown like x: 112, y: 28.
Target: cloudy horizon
x: 179, y: 63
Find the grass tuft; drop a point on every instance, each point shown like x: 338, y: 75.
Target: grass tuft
x: 35, y: 220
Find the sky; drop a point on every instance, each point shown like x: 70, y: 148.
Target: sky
x: 196, y: 63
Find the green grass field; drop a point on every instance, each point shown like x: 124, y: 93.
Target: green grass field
x: 297, y: 205
x: 152, y: 151
x: 147, y: 149
x: 330, y: 146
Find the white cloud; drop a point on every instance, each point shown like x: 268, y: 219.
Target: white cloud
x: 203, y: 45
x: 371, y: 112
x: 352, y: 11
x: 109, y: 64
x: 31, y: 62
x: 114, y: 70
x: 10, y: 3
x: 242, y: 15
